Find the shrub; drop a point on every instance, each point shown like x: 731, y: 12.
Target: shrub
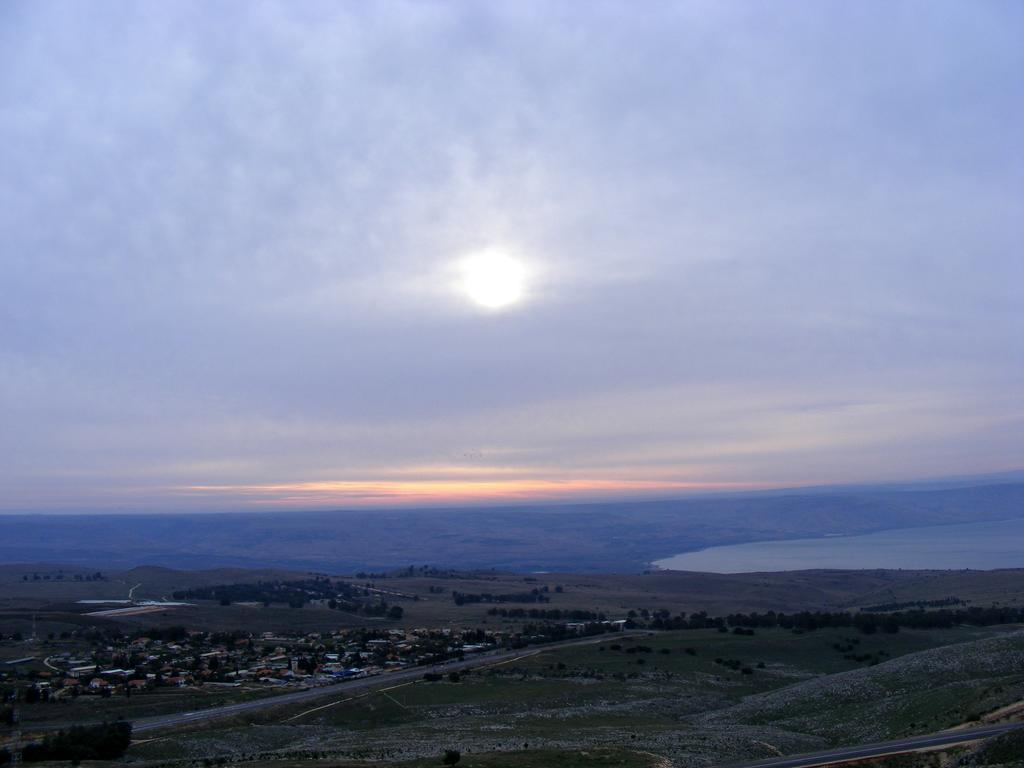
x: 99, y: 742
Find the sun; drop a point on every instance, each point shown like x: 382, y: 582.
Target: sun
x: 492, y: 279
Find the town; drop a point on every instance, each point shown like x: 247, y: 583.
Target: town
x: 110, y: 663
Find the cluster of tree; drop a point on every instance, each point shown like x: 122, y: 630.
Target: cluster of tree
x: 434, y: 677
x: 428, y: 570
x: 33, y: 694
x: 533, y: 596
x: 434, y: 572
x: 98, y: 635
x: 381, y: 609
x: 172, y: 634
x: 944, y: 602
x: 226, y: 638
x: 545, y: 588
x: 639, y: 649
x: 295, y: 593
x: 735, y: 665
x: 477, y: 635
x: 551, y: 614
x: 646, y: 614
x: 867, y: 623
x: 549, y: 633
x: 59, y: 576
x: 97, y: 742
x: 860, y: 658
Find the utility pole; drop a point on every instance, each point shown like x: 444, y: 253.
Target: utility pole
x: 15, y: 745
x: 16, y: 749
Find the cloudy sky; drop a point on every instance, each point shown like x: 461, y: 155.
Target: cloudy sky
x: 258, y: 255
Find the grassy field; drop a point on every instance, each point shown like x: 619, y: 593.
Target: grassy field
x: 1006, y: 751
x: 427, y: 600
x: 927, y: 691
x: 668, y: 694
x: 161, y: 701
x: 539, y: 758
x: 689, y: 696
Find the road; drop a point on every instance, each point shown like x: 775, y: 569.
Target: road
x: 910, y: 744
x: 360, y: 684
x: 412, y: 674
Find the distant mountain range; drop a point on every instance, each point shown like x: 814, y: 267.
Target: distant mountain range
x: 594, y: 537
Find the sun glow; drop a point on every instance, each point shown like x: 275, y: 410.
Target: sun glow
x: 493, y: 279
x: 334, y: 493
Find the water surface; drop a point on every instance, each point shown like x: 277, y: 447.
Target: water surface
x: 970, y: 545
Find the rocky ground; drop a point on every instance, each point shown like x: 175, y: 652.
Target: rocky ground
x: 686, y: 710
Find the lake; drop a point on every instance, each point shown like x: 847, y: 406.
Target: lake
x: 971, y: 545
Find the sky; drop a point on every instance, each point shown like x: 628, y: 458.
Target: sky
x: 260, y: 255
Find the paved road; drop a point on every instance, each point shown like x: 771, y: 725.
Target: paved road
x: 844, y: 754
x: 361, y: 684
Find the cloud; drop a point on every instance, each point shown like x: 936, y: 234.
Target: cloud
x: 228, y: 231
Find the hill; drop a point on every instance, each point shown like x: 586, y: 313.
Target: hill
x: 609, y: 537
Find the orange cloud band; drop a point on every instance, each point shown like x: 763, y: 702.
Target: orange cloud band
x: 335, y: 492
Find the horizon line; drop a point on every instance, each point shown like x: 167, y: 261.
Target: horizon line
x: 394, y: 503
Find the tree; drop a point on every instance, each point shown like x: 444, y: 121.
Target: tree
x: 451, y: 756
x: 101, y: 742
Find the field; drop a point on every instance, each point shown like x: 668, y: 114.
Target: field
x: 603, y: 757
x: 666, y: 693
x: 426, y: 597
x: 690, y: 697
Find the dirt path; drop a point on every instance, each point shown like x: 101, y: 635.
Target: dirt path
x: 1009, y: 710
